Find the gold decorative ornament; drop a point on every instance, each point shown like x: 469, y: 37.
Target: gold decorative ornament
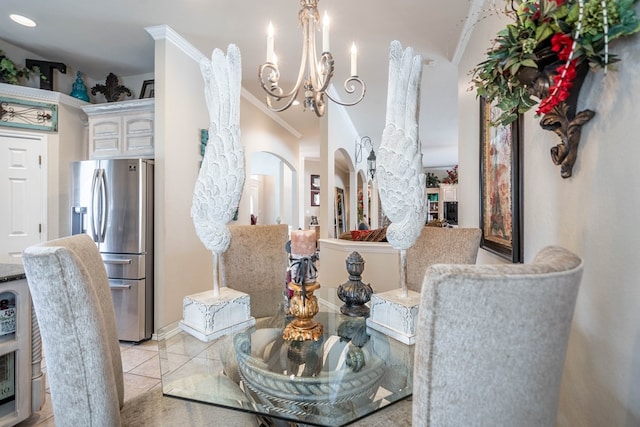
x: 303, y: 305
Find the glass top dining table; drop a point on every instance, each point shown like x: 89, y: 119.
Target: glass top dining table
x: 351, y: 372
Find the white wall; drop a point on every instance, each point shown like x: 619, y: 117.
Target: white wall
x: 267, y: 168
x: 261, y: 134
x: 337, y: 132
x: 183, y: 265
x: 311, y: 167
x: 594, y: 214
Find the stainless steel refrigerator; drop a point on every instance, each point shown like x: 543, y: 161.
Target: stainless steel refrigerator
x: 112, y: 201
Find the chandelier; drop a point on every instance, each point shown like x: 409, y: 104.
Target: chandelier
x: 314, y: 75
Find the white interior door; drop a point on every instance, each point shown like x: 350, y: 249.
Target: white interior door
x: 22, y: 191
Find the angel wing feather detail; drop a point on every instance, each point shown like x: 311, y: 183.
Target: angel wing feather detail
x: 401, y: 181
x: 221, y: 178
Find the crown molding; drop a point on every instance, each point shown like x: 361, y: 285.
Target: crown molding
x: 164, y: 32
x: 127, y: 106
x: 472, y: 19
x: 36, y: 94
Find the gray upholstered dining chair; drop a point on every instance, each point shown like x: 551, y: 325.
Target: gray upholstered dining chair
x: 492, y: 341
x: 437, y: 245
x: 256, y: 260
x: 73, y: 305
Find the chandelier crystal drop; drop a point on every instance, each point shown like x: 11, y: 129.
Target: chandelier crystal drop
x: 315, y: 73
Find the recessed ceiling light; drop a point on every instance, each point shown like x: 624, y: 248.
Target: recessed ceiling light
x: 295, y: 102
x: 22, y: 20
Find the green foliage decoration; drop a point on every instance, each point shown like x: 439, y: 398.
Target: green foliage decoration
x: 540, y: 28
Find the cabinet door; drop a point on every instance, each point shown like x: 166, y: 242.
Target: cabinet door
x: 449, y: 193
x: 138, y: 135
x: 105, y: 139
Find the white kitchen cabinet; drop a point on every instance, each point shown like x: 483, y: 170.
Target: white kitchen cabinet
x: 22, y: 383
x: 121, y: 129
x: 449, y: 192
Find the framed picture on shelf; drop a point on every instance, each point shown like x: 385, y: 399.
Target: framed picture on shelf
x: 315, y: 198
x: 501, y: 164
x: 315, y: 182
x: 340, y: 214
x: 147, y: 90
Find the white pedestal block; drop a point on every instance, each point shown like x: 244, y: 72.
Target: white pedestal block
x: 208, y: 317
x: 395, y: 315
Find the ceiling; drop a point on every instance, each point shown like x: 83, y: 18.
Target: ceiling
x: 111, y: 37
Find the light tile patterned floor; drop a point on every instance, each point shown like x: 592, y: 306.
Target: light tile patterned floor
x: 141, y: 367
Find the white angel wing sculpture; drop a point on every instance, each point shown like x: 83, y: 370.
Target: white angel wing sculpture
x: 219, y: 185
x: 399, y: 174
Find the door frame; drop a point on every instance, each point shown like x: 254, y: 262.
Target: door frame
x: 42, y: 140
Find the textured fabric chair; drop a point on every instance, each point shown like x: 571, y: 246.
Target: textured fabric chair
x: 73, y: 305
x: 438, y: 245
x: 492, y: 341
x: 256, y: 260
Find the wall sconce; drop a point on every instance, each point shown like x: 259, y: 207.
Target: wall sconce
x: 371, y: 160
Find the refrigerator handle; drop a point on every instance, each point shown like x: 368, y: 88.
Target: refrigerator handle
x: 103, y: 204
x: 95, y: 208
x: 99, y: 208
x: 117, y: 261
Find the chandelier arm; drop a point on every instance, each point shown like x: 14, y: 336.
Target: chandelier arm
x: 272, y: 88
x: 292, y: 97
x: 322, y: 71
x: 271, y: 85
x: 350, y: 88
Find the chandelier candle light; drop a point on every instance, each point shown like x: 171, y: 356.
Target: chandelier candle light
x: 314, y: 75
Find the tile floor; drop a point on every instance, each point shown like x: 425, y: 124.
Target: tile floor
x: 141, y: 367
x: 145, y: 405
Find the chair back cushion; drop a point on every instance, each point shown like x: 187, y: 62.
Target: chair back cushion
x: 257, y: 260
x: 437, y: 245
x: 492, y: 341
x: 74, y: 308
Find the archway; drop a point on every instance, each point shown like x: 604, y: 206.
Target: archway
x: 345, y: 214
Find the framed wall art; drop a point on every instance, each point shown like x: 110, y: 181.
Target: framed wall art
x: 315, y: 182
x: 315, y: 198
x: 340, y: 213
x: 148, y: 89
x: 315, y: 190
x: 501, y: 167
x: 22, y: 113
